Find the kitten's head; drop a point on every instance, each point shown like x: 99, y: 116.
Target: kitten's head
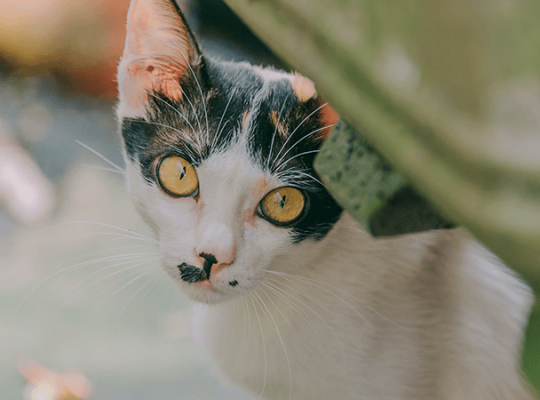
x: 220, y: 157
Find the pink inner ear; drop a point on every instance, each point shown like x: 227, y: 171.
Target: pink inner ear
x: 152, y: 75
x: 157, y: 52
x: 327, y: 116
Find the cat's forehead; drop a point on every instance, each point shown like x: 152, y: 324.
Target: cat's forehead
x: 263, y: 88
x: 271, y: 111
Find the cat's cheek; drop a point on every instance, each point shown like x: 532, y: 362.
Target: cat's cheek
x: 173, y: 272
x: 250, y: 219
x: 263, y: 244
x: 143, y: 194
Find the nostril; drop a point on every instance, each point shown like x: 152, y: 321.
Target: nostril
x: 209, y: 258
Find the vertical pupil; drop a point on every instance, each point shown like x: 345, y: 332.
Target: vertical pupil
x: 182, y: 173
x: 281, y: 201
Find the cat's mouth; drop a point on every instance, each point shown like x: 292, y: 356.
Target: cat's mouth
x: 201, y: 276
x: 198, y: 276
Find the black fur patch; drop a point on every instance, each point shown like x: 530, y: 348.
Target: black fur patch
x: 294, y: 151
x: 191, y: 274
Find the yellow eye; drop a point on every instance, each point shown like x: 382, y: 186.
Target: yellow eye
x: 178, y: 177
x: 283, y: 205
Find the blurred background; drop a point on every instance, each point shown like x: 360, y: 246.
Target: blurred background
x: 80, y: 287
x: 79, y: 284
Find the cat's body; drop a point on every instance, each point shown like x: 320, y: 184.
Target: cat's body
x: 297, y: 301
x: 431, y: 316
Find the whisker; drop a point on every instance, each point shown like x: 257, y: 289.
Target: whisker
x: 291, y: 175
x: 296, y: 156
x: 237, y: 313
x: 243, y: 349
x: 124, y: 277
x: 113, y: 249
x: 218, y: 132
x: 282, y: 293
x: 128, y: 256
x: 187, y: 137
x: 299, y: 140
x: 118, y: 236
x: 314, y: 283
x: 324, y: 322
x: 134, y: 235
x: 264, y: 347
x: 299, y: 125
x: 190, y: 138
x: 243, y: 302
x: 66, y: 269
x: 277, y: 308
x: 202, y: 98
x: 97, y: 153
x: 182, y: 90
x: 223, y: 130
x: 145, y: 261
x: 133, y: 296
x: 103, y: 169
x: 118, y: 291
x: 174, y: 109
x: 280, y: 340
x: 304, y: 293
x: 151, y: 287
x: 274, y: 135
x: 113, y: 227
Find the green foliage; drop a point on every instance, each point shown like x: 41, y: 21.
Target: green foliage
x: 448, y: 92
x: 382, y: 200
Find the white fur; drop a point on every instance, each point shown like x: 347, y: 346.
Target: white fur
x: 428, y: 316
x: 273, y: 75
x: 376, y: 319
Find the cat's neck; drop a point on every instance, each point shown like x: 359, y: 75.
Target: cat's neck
x: 356, y: 263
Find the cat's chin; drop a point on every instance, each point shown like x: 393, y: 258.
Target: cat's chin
x: 204, y: 292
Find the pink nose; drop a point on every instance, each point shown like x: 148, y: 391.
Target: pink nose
x: 211, y: 265
x: 218, y: 241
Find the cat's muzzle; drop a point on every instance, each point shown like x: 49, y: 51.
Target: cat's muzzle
x: 192, y: 274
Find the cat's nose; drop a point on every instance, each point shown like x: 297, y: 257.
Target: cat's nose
x: 208, y: 258
x: 211, y: 265
x: 209, y: 261
x: 218, y: 241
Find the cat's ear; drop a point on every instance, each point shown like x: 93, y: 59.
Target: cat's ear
x: 304, y: 90
x: 160, y: 52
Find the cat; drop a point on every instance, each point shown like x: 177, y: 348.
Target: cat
x: 293, y: 300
